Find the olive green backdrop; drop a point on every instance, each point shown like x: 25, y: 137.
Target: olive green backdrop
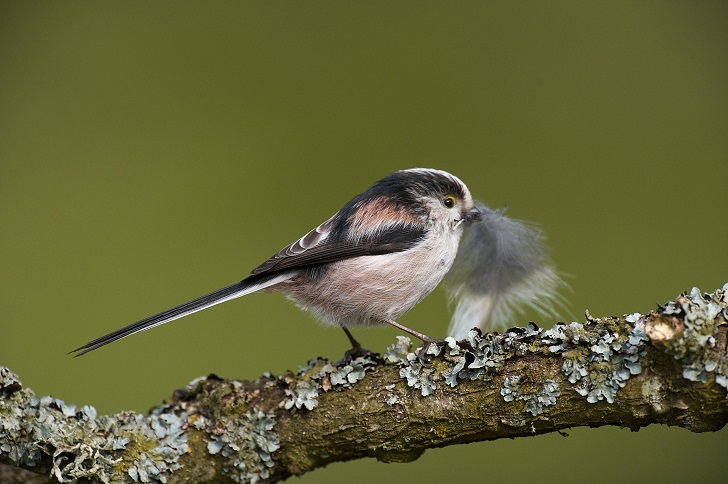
x: 152, y: 152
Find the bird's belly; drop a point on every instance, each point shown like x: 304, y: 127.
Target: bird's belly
x: 368, y: 290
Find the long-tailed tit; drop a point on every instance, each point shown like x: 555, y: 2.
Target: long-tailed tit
x: 383, y: 252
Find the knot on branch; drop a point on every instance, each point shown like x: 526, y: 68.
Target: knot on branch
x: 692, y: 329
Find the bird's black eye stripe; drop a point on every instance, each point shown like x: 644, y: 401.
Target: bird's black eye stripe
x: 449, y: 201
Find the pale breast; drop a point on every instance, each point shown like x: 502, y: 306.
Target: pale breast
x: 366, y: 290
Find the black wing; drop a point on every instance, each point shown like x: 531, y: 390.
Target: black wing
x: 326, y: 244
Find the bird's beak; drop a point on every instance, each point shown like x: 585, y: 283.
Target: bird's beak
x: 472, y: 215
x: 468, y: 216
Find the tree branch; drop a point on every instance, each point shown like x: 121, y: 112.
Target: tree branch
x: 668, y: 367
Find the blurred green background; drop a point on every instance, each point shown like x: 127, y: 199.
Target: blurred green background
x: 153, y: 152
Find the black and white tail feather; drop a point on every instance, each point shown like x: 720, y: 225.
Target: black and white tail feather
x: 242, y: 288
x: 502, y: 268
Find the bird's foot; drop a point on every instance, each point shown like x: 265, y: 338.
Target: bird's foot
x: 428, y: 342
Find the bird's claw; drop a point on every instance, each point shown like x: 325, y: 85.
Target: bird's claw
x: 426, y: 346
x: 429, y: 342
x: 360, y: 352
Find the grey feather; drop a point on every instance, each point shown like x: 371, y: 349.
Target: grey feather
x: 501, y: 269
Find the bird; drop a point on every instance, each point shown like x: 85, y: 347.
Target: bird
x: 384, y: 251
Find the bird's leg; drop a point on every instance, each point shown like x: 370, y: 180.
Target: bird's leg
x: 425, y: 339
x: 354, y: 343
x: 356, y: 348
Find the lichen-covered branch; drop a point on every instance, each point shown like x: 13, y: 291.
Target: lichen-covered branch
x: 668, y: 367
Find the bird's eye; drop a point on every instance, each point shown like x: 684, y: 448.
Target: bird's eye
x: 449, y: 202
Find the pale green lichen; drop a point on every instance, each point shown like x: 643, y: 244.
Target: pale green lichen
x: 303, y: 394
x: 399, y: 350
x: 245, y: 437
x: 419, y: 377
x: 247, y: 443
x: 451, y: 376
x: 598, y: 360
x: 80, y: 444
x: 394, y: 398
x: 535, y: 397
x: 154, y: 444
x: 480, y: 357
x: 692, y: 343
x: 565, y: 337
x: 410, y: 368
x: 321, y: 376
x: 598, y: 363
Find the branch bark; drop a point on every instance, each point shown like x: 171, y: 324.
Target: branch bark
x: 668, y: 367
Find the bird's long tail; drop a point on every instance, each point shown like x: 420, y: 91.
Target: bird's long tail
x: 233, y: 291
